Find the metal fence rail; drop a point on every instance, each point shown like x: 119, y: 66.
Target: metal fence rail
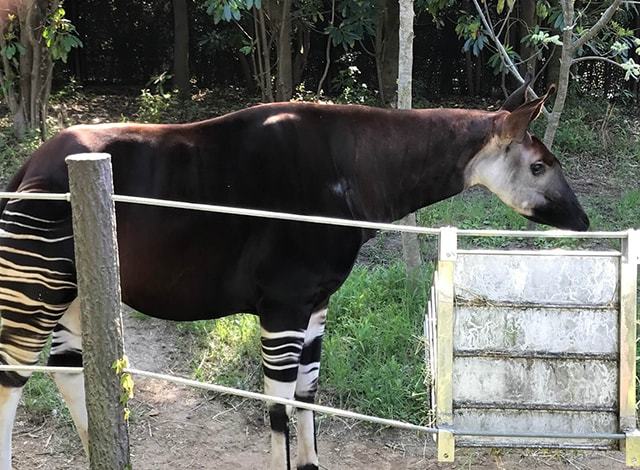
x: 619, y: 235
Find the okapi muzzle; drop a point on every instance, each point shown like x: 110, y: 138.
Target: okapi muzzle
x: 524, y: 174
x: 557, y: 205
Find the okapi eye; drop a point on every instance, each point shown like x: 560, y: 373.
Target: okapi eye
x: 537, y: 168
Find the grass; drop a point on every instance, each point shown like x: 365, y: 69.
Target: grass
x: 373, y: 350
x: 228, y: 350
x: 41, y: 399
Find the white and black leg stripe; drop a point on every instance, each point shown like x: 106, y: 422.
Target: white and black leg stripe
x: 306, y: 388
x: 280, y: 358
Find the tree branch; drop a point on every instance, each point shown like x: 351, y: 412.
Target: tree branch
x: 595, y: 57
x: 503, y: 53
x: 595, y: 29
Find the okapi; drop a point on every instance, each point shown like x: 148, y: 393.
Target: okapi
x: 351, y: 162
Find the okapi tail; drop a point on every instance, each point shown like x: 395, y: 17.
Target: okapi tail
x: 13, y: 185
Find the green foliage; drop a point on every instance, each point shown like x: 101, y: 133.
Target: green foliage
x: 372, y: 358
x: 596, y: 134
x: 614, y: 213
x: 356, y: 21
x: 474, y: 210
x: 501, y: 3
x: 126, y: 384
x: 627, y: 212
x: 60, y: 35
x: 349, y: 87
x: 497, y: 63
x: 541, y: 38
x: 12, y: 49
x: 469, y: 28
x: 154, y: 106
x: 13, y: 151
x: 229, y: 10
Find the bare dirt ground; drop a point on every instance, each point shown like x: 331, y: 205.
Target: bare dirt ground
x: 173, y: 427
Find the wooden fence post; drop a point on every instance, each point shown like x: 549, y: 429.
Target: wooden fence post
x: 96, y: 251
x: 445, y: 299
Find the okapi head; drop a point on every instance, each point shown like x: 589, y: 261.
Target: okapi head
x: 521, y: 171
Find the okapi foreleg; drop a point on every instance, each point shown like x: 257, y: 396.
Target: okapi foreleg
x: 280, y: 359
x: 306, y: 388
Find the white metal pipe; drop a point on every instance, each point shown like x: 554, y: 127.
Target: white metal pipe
x: 541, y: 435
x: 283, y: 401
x: 606, y: 254
x: 51, y: 369
x: 42, y: 196
x: 325, y: 220
x: 275, y: 215
x: 360, y: 223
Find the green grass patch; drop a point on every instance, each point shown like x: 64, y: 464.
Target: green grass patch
x: 228, y: 350
x: 41, y: 399
x: 373, y: 352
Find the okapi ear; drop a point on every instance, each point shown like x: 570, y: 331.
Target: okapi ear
x: 518, y: 97
x: 515, y: 125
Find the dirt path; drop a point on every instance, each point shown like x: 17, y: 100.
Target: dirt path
x: 178, y: 428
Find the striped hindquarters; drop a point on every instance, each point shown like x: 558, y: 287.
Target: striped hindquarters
x: 37, y: 279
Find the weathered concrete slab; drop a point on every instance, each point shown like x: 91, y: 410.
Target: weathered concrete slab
x: 536, y: 347
x: 514, y: 331
x: 572, y: 422
x: 538, y: 280
x: 549, y: 383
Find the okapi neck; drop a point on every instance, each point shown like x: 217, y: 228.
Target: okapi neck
x: 416, y: 158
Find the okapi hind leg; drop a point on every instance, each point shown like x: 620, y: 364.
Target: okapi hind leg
x: 281, y: 348
x: 66, y: 351
x: 37, y: 284
x: 9, y: 398
x: 306, y: 388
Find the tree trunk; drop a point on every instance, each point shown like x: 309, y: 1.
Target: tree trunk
x: 265, y: 49
x: 26, y: 86
x: 528, y: 17
x: 246, y: 72
x: 181, y: 48
x: 410, y: 242
x: 566, y: 58
x: 387, y: 46
x: 553, y: 69
x: 327, y: 51
x: 284, y: 83
x: 96, y: 252
x: 468, y: 66
x: 448, y: 67
x: 302, y: 54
